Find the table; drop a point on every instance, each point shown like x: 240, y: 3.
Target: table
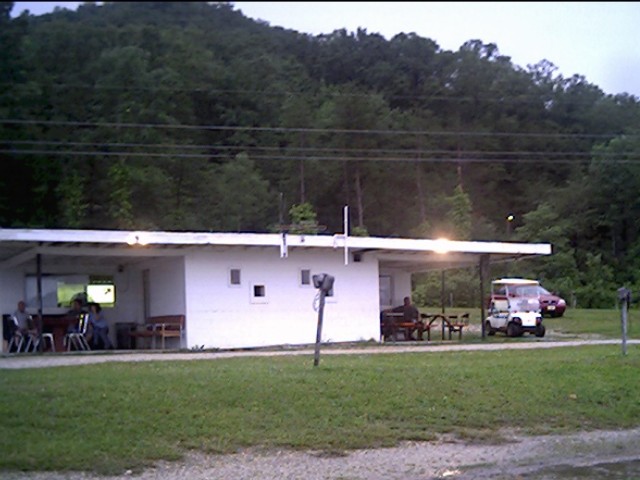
x: 58, y: 325
x: 392, y: 322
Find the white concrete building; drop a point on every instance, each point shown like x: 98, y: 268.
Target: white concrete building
x: 237, y: 290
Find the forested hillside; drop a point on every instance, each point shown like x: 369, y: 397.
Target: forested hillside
x: 191, y: 116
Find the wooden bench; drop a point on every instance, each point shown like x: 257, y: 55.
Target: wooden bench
x: 161, y: 326
x: 448, y: 323
x: 457, y: 323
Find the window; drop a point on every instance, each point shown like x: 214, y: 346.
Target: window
x: 305, y: 277
x: 258, y: 293
x: 234, y: 277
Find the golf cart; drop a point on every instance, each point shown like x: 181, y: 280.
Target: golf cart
x: 514, y: 308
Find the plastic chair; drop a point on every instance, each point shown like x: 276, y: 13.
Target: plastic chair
x: 15, y: 339
x: 33, y: 344
x: 16, y: 342
x: 78, y: 339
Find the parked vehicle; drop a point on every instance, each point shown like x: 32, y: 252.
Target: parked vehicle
x: 514, y: 308
x: 550, y: 304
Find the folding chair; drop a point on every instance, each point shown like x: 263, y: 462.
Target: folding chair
x: 78, y: 339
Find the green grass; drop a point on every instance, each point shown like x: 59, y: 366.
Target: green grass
x: 600, y: 322
x: 136, y: 413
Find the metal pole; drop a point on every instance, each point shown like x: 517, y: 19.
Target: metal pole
x: 483, y: 268
x: 624, y: 327
x: 442, y: 301
x: 316, y: 358
x: 624, y: 295
x: 346, y: 234
x: 625, y: 306
x: 40, y: 302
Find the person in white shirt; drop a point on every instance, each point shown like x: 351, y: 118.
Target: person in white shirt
x: 24, y: 321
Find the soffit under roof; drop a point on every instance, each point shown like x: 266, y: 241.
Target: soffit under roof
x: 69, y: 247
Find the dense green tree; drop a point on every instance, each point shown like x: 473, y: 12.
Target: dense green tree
x: 239, y: 198
x: 191, y: 116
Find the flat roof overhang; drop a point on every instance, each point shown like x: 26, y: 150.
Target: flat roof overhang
x: 19, y: 246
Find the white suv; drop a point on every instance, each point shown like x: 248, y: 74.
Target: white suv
x: 515, y: 308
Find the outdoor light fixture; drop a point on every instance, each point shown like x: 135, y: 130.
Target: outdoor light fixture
x: 441, y: 245
x: 136, y: 239
x: 509, y: 219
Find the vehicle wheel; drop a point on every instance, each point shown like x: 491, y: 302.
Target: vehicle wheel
x: 540, y: 331
x: 513, y: 330
x: 490, y: 331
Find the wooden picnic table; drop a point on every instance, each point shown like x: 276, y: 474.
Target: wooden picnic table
x: 393, y: 322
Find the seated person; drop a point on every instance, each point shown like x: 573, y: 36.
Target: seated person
x: 24, y: 321
x: 410, y: 314
x: 75, y: 312
x: 19, y: 325
x: 99, y: 327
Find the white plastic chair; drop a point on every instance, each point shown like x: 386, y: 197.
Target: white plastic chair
x: 17, y: 339
x: 78, y: 339
x: 33, y: 344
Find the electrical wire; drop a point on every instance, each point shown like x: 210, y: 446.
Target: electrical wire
x: 516, y: 99
x: 313, y: 150
x: 621, y: 159
x: 5, y: 121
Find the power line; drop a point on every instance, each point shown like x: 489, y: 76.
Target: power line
x: 518, y: 98
x: 316, y: 150
x: 308, y: 130
x: 462, y: 159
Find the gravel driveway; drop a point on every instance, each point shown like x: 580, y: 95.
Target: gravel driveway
x: 81, y: 358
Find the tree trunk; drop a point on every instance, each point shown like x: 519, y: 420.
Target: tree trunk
x: 346, y: 183
x: 302, y: 191
x: 359, y: 202
x: 420, y: 191
x: 301, y: 144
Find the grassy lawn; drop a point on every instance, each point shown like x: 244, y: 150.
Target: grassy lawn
x: 135, y: 413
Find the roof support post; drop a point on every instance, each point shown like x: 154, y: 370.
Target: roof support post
x: 40, y: 302
x: 483, y: 270
x: 442, y: 295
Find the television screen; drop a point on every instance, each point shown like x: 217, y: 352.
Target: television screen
x: 104, y: 294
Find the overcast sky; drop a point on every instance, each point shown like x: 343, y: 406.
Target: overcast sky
x: 597, y: 40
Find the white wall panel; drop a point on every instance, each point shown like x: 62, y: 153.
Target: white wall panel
x: 224, y: 316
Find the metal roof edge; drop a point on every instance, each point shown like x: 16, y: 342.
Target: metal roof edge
x: 271, y: 239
